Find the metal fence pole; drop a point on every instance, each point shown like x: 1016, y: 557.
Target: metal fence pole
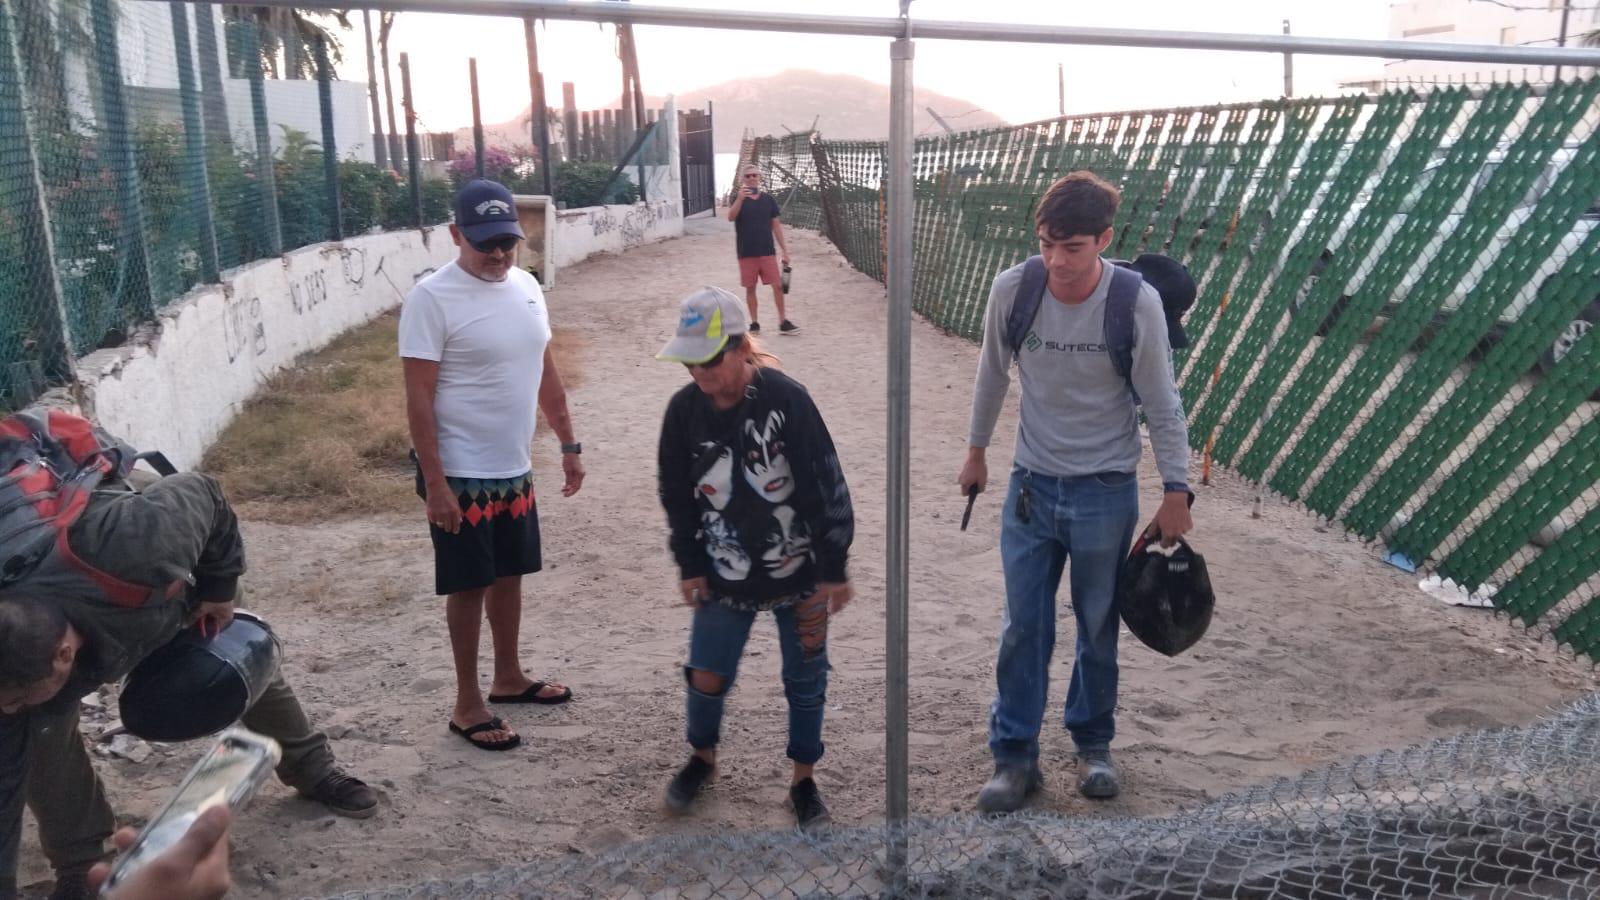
x: 330, y: 145
x: 477, y: 118
x: 197, y: 187
x: 569, y: 118
x: 213, y: 100
x: 139, y: 289
x: 897, y: 571
x: 19, y: 169
x: 414, y: 164
x: 266, y: 176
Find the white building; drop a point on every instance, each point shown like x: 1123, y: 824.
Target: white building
x: 150, y: 73
x: 1511, y: 23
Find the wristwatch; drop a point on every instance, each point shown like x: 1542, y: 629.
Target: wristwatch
x: 575, y: 448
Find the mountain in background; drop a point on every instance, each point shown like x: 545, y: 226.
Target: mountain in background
x: 844, y: 107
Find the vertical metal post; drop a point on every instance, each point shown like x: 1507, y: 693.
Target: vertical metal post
x: 415, y: 165
x: 213, y: 100
x: 140, y: 290
x: 541, y: 108
x: 330, y: 146
x: 569, y: 117
x: 1561, y: 39
x: 380, y: 141
x: 266, y: 177
x: 1288, y: 67
x: 1061, y: 90
x: 197, y: 188
x: 897, y: 570
x: 21, y: 181
x: 477, y: 118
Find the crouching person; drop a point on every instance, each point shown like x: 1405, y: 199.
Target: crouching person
x: 153, y: 560
x: 760, y: 520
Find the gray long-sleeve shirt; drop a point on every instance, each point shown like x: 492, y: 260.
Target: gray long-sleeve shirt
x: 1078, y: 417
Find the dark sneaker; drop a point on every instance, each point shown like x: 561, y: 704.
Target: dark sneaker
x: 688, y: 783
x: 755, y: 327
x: 788, y: 327
x: 1097, y: 775
x: 72, y: 883
x: 1010, y: 787
x: 345, y: 795
x: 809, y: 810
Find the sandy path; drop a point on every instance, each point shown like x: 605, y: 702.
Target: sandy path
x: 1318, y: 650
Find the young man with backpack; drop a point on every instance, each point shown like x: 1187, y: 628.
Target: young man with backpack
x: 1086, y: 336
x: 96, y: 574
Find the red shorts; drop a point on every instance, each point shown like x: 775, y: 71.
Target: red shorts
x: 764, y: 266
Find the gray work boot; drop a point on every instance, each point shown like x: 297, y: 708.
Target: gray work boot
x: 1097, y: 775
x: 1010, y: 787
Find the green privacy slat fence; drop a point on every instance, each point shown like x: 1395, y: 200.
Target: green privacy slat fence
x: 127, y: 127
x: 1397, y: 298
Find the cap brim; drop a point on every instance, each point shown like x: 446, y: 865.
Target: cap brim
x: 484, y: 231
x: 692, y: 350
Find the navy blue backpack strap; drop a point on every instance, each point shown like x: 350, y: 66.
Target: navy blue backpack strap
x: 1121, y: 298
x: 1025, y: 306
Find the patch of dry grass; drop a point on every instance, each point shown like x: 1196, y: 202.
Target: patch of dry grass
x: 328, y: 437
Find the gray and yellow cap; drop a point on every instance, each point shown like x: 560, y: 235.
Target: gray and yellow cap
x: 707, y: 318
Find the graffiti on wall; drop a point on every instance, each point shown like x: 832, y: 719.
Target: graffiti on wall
x: 243, y: 329
x: 308, y: 291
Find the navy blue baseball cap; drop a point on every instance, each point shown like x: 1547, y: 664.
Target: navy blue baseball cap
x: 485, y: 209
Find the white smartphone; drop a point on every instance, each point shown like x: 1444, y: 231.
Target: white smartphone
x: 228, y: 774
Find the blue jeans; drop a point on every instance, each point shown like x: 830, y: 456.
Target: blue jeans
x: 1090, y: 518
x: 716, y: 642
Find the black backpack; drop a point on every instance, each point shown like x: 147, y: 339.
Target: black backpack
x: 1170, y: 278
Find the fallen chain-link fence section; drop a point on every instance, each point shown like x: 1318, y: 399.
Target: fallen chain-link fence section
x: 1398, y: 295
x: 1503, y: 813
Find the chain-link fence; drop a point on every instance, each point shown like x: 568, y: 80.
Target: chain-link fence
x: 1492, y: 814
x: 1397, y: 302
x: 146, y: 147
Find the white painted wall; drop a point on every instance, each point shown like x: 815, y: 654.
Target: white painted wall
x: 581, y: 233
x: 177, y: 390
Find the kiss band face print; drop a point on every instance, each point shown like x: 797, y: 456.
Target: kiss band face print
x: 782, y: 540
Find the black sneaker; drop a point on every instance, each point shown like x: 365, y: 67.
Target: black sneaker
x: 809, y: 810
x: 755, y: 327
x: 788, y: 327
x: 345, y: 795
x: 688, y: 783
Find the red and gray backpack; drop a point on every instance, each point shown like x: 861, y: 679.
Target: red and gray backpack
x: 50, y: 464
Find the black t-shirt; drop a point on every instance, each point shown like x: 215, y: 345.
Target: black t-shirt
x: 753, y: 226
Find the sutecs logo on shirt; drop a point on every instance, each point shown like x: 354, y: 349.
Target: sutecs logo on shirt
x: 1034, y: 343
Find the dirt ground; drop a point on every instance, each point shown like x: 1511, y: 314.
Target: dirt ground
x: 1319, y: 651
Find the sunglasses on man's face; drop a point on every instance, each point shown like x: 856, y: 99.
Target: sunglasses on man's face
x: 505, y: 243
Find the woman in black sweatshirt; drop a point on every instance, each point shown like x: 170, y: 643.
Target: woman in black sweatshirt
x: 760, y: 519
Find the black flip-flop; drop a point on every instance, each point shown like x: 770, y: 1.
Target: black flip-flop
x: 492, y: 725
x: 531, y: 695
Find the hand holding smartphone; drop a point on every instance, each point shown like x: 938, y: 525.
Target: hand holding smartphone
x: 228, y: 775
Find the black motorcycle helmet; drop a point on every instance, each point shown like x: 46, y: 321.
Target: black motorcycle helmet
x: 194, y: 686
x: 1164, y: 596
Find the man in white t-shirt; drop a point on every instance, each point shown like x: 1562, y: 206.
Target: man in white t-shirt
x: 474, y: 338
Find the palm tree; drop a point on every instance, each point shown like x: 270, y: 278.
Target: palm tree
x: 385, y: 25
x: 292, y: 32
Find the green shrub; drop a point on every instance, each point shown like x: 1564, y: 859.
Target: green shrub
x: 578, y: 184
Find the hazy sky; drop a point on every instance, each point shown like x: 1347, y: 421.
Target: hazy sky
x: 1015, y: 81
